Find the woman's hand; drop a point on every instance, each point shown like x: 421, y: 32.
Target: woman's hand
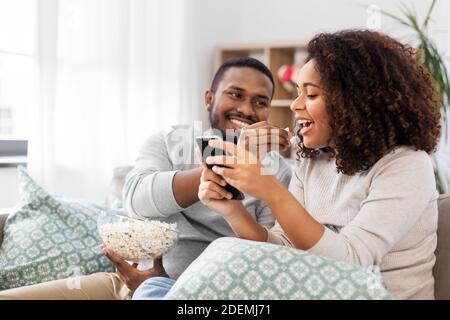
x: 212, y: 194
x: 243, y: 170
x: 262, y: 137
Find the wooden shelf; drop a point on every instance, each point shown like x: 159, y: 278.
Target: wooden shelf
x: 281, y: 103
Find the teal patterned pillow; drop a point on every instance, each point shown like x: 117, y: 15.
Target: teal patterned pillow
x: 48, y: 238
x: 236, y: 269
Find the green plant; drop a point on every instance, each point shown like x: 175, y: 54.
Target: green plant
x: 432, y: 59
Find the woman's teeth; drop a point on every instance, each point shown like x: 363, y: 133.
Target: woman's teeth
x: 305, y: 126
x: 239, y: 123
x: 304, y: 123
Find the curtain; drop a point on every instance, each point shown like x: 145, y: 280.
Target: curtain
x: 110, y: 73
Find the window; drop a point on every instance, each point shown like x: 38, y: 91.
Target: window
x: 17, y: 40
x: 17, y: 76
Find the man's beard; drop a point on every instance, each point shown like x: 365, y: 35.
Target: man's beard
x: 227, y: 135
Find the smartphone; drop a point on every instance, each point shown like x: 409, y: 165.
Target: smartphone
x: 207, y: 150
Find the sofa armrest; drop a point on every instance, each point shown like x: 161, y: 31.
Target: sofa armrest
x: 442, y: 265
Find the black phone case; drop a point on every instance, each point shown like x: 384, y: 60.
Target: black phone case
x: 207, y: 151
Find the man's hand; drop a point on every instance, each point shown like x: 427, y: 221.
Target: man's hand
x: 129, y: 274
x: 212, y: 194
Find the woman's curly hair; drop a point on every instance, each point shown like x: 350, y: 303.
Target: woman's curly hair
x: 378, y: 96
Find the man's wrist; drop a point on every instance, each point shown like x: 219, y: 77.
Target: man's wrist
x: 186, y: 196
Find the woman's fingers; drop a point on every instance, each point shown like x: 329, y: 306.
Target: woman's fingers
x: 239, y: 154
x: 268, y: 141
x: 255, y: 144
x: 224, y: 172
x: 227, y: 146
x: 222, y: 160
x: 265, y: 128
x: 268, y: 145
x: 266, y: 131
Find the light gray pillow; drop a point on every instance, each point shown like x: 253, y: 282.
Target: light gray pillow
x: 48, y: 238
x: 236, y: 269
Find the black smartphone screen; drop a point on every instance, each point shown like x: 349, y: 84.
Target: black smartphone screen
x: 207, y: 151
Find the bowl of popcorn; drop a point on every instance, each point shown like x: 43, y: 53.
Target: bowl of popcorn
x: 136, y: 240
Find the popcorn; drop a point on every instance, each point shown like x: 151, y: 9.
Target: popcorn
x: 137, y: 240
x: 294, y: 138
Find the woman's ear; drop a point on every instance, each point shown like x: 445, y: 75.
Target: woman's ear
x: 209, y: 97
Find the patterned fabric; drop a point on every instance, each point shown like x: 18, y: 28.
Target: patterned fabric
x: 48, y: 238
x: 232, y: 268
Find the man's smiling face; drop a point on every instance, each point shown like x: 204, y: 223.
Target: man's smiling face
x: 241, y: 98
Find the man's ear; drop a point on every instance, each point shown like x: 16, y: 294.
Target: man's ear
x: 209, y: 97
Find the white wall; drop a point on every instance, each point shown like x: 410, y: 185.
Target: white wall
x: 216, y: 22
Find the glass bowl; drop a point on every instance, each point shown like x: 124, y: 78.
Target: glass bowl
x: 136, y: 240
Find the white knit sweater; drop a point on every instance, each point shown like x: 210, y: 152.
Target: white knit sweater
x: 387, y: 217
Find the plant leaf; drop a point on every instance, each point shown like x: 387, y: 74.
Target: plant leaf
x: 428, y: 16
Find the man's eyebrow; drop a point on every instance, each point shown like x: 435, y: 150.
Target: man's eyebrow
x: 263, y: 96
x: 236, y: 88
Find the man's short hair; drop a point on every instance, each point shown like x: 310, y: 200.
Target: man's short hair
x: 244, y: 62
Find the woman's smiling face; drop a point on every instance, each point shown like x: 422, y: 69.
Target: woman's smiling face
x: 310, y: 108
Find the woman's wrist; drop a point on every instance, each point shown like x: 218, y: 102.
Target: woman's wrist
x: 235, y: 211
x: 273, y: 192
x: 246, y: 227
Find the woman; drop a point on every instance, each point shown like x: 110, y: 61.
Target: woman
x: 368, y: 118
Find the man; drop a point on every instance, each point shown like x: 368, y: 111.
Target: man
x: 164, y: 185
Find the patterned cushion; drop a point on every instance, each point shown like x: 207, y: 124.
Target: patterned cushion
x: 49, y: 238
x: 232, y: 268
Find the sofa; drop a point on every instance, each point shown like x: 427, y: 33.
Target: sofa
x: 441, y: 270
